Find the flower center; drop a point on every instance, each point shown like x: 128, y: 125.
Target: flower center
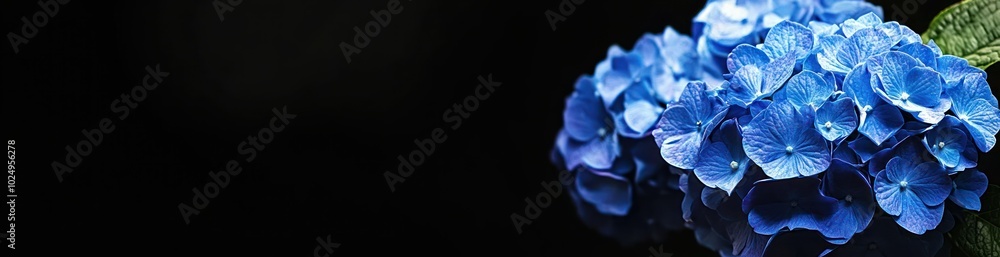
x: 734, y: 165
x: 849, y: 198
x: 828, y: 125
x: 601, y: 132
x: 903, y: 184
x: 789, y: 149
x: 904, y: 96
x: 872, y: 246
x: 868, y: 108
x: 795, y: 203
x: 940, y: 144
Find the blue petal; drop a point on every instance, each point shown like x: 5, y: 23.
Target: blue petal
x: 745, y: 87
x: 863, y: 44
x: 929, y: 182
x: 641, y: 109
x: 610, y: 194
x: 865, y: 148
x: 857, y: 203
x: 917, y: 217
x: 852, y: 26
x: 788, y: 37
x: 684, y: 125
x: 887, y: 191
x: 780, y: 128
x: 836, y: 120
x: 776, y: 73
x: 806, y: 89
x: 946, y: 144
x: 858, y: 86
x: 715, y: 166
x: 584, y: 114
x: 969, y: 88
x: 613, y: 84
x: 600, y: 153
x: 746, y: 54
x: 954, y: 68
x: 829, y: 48
x: 969, y: 186
x: 788, y: 203
x: 922, y: 52
x: 881, y: 123
x: 983, y: 122
x: 902, y: 82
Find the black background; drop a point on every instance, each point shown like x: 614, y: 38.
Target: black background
x: 323, y: 175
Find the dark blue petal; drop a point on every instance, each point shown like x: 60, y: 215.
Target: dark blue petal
x: 856, y: 201
x: 837, y: 119
x: 881, y: 123
x: 929, y: 182
x: 788, y: 203
x: 610, y: 194
x: 969, y: 186
x: 917, y: 217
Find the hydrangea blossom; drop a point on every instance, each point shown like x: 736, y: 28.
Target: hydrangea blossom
x: 858, y: 131
x: 784, y: 127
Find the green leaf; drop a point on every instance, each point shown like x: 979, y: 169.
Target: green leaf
x: 978, y: 234
x: 969, y: 29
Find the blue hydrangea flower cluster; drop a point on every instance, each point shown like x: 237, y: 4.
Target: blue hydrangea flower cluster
x: 831, y: 140
x: 622, y: 188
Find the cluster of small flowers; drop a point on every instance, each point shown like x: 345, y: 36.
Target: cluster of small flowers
x: 623, y: 188
x: 833, y: 140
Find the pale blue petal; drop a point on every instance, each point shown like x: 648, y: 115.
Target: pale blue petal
x: 953, y: 69
x: 744, y: 55
x: 829, y: 48
x: 776, y: 73
x: 921, y: 52
x: 788, y: 37
x: 863, y: 44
